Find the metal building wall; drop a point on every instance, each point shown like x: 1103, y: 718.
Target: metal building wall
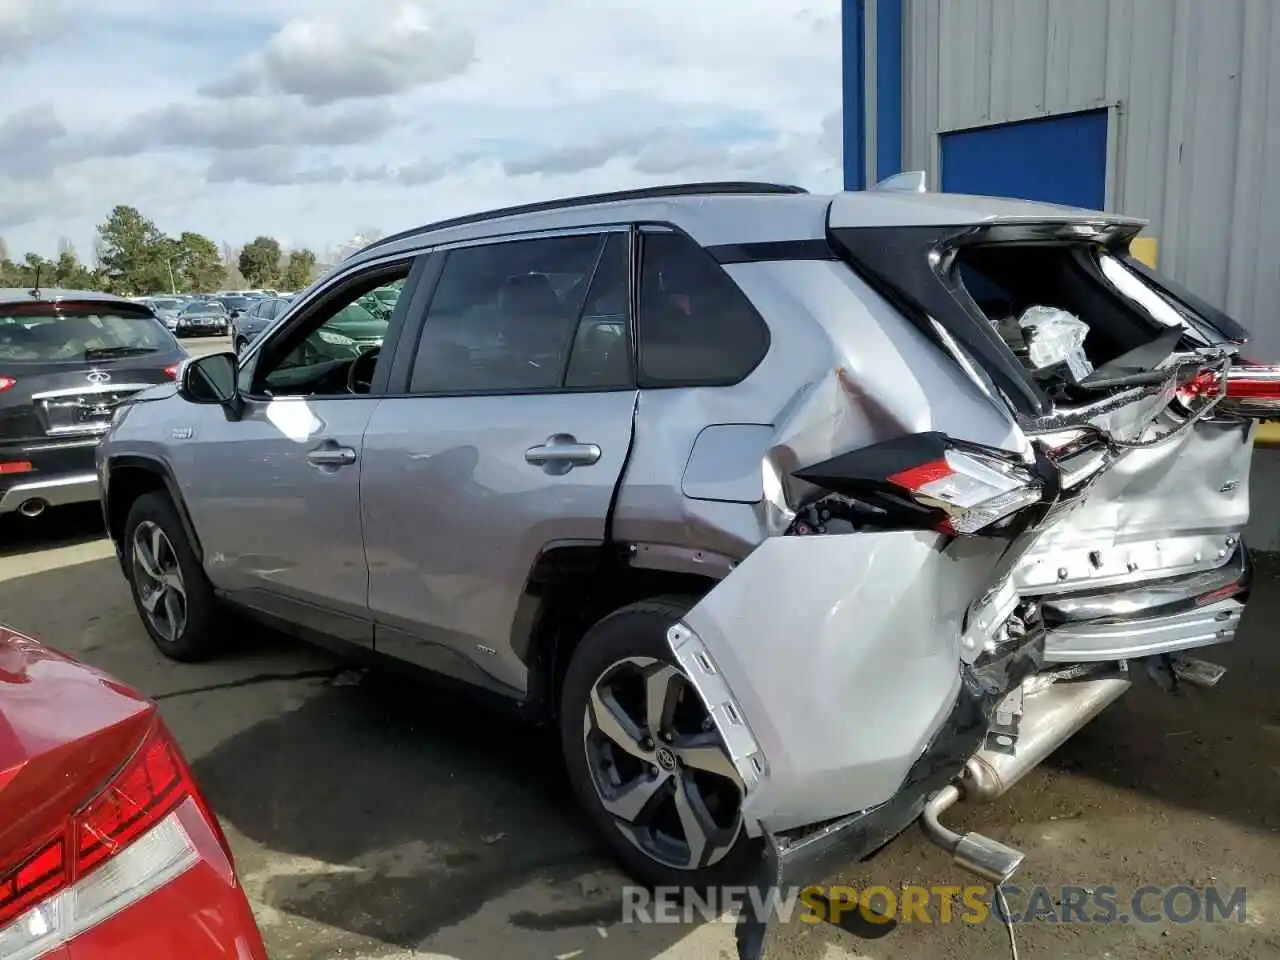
x: 1193, y: 90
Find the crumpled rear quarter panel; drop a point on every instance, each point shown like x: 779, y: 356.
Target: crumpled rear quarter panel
x: 843, y: 655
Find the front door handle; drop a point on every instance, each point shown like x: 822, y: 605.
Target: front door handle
x: 561, y: 453
x: 331, y: 455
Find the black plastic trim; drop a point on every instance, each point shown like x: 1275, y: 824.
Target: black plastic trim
x: 161, y: 470
x: 727, y: 253
x: 713, y: 188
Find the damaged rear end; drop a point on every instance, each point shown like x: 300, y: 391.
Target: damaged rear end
x: 975, y: 550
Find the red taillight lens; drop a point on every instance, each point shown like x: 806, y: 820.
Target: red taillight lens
x: 972, y: 491
x: 140, y: 797
x: 1251, y: 390
x: 40, y: 877
x: 145, y: 791
x: 16, y: 466
x: 172, y: 371
x: 7, y: 383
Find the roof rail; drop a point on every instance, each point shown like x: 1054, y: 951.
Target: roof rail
x: 643, y: 193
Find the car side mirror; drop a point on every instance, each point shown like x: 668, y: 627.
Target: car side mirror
x: 211, y: 379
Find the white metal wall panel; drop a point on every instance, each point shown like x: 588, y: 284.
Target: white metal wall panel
x: 1195, y: 90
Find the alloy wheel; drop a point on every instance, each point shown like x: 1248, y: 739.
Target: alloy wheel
x: 157, y: 577
x: 659, y: 766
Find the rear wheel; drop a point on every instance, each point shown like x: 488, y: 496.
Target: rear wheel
x: 174, y: 597
x: 241, y: 344
x: 645, y: 759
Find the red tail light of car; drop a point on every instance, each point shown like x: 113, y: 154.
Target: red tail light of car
x: 7, y: 383
x: 171, y: 371
x: 1252, y: 390
x: 121, y: 846
x: 971, y: 491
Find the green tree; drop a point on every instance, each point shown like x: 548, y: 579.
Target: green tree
x: 70, y: 274
x: 199, y: 263
x: 260, y: 261
x: 300, y: 269
x: 135, y: 254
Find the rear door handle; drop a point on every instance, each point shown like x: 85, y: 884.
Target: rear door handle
x: 561, y: 453
x: 331, y: 455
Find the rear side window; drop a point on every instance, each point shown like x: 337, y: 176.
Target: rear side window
x: 696, y: 326
x: 76, y: 332
x: 527, y: 316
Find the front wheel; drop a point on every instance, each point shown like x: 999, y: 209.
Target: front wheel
x: 645, y: 759
x: 241, y: 345
x: 174, y: 597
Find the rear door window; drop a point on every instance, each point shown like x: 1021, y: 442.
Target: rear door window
x: 696, y: 326
x: 523, y: 316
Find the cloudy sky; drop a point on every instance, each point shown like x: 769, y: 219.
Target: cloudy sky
x: 312, y: 120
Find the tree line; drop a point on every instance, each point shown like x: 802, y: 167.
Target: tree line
x: 133, y: 257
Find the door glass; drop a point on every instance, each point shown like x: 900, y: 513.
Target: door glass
x: 696, y: 326
x: 317, y: 360
x: 504, y: 316
x: 601, y: 357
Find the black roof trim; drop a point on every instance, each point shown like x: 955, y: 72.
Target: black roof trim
x: 745, y: 187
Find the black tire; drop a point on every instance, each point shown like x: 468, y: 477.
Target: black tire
x: 241, y: 344
x: 637, y: 630
x: 199, y: 637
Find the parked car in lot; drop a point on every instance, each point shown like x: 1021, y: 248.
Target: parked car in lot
x: 66, y: 359
x: 805, y: 517
x: 235, y: 305
x: 167, y: 309
x: 260, y: 315
x: 202, y: 318
x: 108, y: 848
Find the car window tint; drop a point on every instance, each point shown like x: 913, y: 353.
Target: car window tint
x: 601, y: 356
x: 496, y: 321
x: 317, y: 357
x: 696, y: 326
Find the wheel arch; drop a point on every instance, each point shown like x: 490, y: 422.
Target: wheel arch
x: 130, y: 476
x: 572, y: 586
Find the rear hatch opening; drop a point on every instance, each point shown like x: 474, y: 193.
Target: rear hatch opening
x: 1081, y: 346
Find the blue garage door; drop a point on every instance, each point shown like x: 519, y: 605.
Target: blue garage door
x: 1057, y: 159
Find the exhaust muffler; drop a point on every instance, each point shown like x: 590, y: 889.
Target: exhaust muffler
x: 32, y: 508
x: 1050, y: 717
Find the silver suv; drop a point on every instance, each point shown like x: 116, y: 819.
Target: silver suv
x: 803, y: 516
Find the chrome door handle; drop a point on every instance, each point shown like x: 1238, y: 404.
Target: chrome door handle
x: 561, y: 453
x: 331, y: 456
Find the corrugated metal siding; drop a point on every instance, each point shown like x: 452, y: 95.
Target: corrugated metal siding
x: 1196, y: 141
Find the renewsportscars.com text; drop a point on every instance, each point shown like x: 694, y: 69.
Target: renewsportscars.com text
x: 941, y: 904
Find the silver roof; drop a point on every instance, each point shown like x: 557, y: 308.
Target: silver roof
x: 721, y: 216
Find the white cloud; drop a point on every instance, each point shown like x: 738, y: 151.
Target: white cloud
x: 317, y: 118
x: 369, y: 50
x: 26, y: 25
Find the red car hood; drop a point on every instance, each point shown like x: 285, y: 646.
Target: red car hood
x: 65, y: 728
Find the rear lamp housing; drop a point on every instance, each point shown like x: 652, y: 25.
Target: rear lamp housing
x: 931, y: 481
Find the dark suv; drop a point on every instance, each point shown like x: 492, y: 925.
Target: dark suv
x: 66, y: 359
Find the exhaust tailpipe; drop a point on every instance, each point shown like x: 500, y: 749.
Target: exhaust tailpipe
x: 32, y: 508
x: 1050, y: 717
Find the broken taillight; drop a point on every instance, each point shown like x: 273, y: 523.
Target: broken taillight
x: 929, y: 481
x: 971, y: 491
x: 1252, y: 390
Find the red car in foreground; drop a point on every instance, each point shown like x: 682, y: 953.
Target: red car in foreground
x: 108, y: 850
